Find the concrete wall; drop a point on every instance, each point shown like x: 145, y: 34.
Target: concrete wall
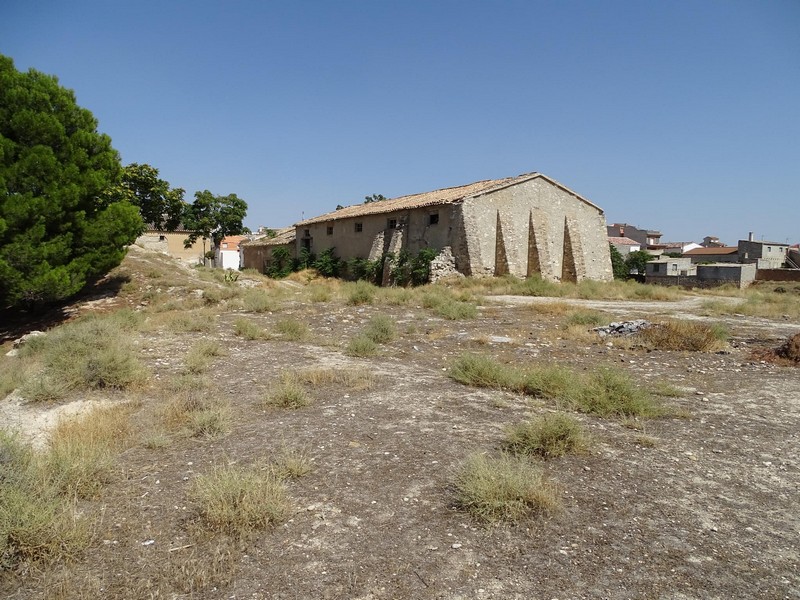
x: 778, y: 275
x: 767, y: 255
x: 670, y: 267
x: 740, y: 274
x: 228, y: 259
x: 533, y: 228
x: 171, y: 242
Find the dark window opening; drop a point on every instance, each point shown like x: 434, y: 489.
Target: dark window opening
x: 391, y: 224
x: 433, y: 219
x: 162, y: 238
x: 306, y: 243
x: 330, y: 230
x: 359, y: 227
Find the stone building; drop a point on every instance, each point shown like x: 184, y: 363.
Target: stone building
x: 257, y: 253
x: 171, y: 243
x: 766, y: 255
x: 521, y: 226
x: 646, y: 237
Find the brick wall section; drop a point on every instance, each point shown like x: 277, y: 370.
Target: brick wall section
x: 778, y: 275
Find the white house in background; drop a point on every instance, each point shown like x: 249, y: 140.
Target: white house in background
x: 624, y: 245
x: 227, y: 255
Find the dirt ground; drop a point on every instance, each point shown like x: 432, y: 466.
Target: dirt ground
x: 701, y: 505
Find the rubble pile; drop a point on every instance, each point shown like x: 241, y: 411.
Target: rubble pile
x: 622, y: 328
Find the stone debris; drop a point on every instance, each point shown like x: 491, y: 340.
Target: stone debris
x: 790, y: 349
x: 623, y: 328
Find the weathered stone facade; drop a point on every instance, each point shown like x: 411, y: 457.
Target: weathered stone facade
x: 521, y: 226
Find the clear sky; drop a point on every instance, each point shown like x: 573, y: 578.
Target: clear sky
x: 682, y: 116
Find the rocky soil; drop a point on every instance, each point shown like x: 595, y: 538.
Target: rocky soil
x: 699, y: 505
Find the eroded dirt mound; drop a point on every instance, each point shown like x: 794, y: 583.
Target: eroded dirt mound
x: 791, y: 349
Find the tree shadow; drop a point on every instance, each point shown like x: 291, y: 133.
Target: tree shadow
x: 16, y: 322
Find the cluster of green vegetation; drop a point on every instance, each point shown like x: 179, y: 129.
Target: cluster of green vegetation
x: 68, y: 209
x: 380, y: 329
x: 604, y: 391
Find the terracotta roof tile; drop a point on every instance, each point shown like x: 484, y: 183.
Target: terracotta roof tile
x: 712, y: 251
x: 444, y: 196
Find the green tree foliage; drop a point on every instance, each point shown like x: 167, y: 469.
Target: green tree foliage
x: 214, y: 217
x: 618, y: 265
x: 59, y: 226
x: 374, y: 198
x: 413, y: 269
x: 638, y: 260
x: 159, y: 205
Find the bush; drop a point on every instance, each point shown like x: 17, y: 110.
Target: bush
x: 327, y: 263
x: 289, y: 394
x: 247, y: 329
x: 380, y: 329
x: 548, y: 436
x: 506, y: 488
x: 292, y: 329
x: 691, y: 336
x: 92, y: 353
x: 259, y: 301
x: 361, y: 346
x: 359, y: 292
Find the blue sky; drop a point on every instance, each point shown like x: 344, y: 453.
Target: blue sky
x: 683, y: 116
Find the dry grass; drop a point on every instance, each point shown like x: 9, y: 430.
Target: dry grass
x: 292, y: 330
x: 605, y: 392
x: 361, y: 346
x: 196, y: 408
x: 352, y: 379
x: 692, y: 336
x: 237, y: 500
x: 380, y: 329
x: 549, y: 436
x: 200, y: 354
x: 290, y: 393
x: 248, y: 330
x: 260, y: 301
x: 506, y: 488
x: 359, y: 292
x: 91, y: 353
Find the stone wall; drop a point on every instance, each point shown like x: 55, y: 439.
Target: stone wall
x: 778, y: 275
x: 535, y: 227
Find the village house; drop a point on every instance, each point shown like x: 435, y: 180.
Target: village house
x: 522, y: 226
x: 258, y: 253
x: 624, y: 245
x: 171, y: 243
x: 226, y: 256
x: 714, y: 254
x: 766, y: 255
x: 645, y: 237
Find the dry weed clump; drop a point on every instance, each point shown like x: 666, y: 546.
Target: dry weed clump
x: 196, y: 408
x: 359, y: 292
x: 238, y: 500
x: 290, y: 393
x: 199, y: 356
x: 352, y: 379
x: 292, y: 330
x: 90, y: 353
x: 505, y: 488
x: 690, y: 336
x: 248, y: 330
x: 548, y: 436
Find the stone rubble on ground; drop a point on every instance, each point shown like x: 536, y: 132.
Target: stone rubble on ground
x: 623, y: 328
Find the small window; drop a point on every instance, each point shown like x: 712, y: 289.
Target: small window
x: 769, y: 248
x: 329, y: 230
x: 433, y: 219
x: 656, y: 268
x: 675, y: 268
x: 359, y: 227
x: 225, y: 245
x: 306, y: 232
x: 391, y: 224
x: 162, y: 238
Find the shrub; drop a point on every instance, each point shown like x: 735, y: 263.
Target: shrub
x: 237, y: 500
x: 691, y: 336
x: 199, y: 355
x: 291, y: 463
x: 292, y: 329
x: 92, y: 353
x: 361, y: 346
x: 319, y: 293
x: 481, y: 371
x: 548, y: 436
x: 247, y: 329
x: 380, y: 329
x: 195, y: 408
x: 506, y: 488
x: 259, y: 301
x: 359, y: 292
x: 609, y: 392
x: 289, y: 394
x: 327, y: 263
x: 588, y: 318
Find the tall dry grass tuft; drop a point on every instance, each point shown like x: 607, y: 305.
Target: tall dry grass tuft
x: 505, y: 488
x: 692, y: 336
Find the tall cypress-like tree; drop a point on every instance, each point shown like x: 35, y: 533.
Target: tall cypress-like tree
x: 59, y: 226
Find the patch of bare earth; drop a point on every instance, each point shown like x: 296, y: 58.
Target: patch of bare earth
x: 701, y: 505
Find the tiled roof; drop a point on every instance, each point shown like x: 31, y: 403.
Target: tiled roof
x: 232, y: 242
x: 623, y: 241
x: 444, y: 196
x: 284, y: 235
x: 712, y: 251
